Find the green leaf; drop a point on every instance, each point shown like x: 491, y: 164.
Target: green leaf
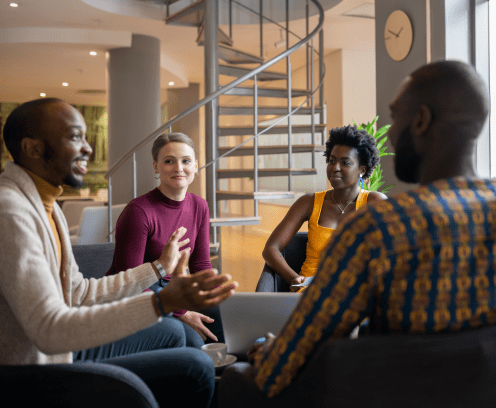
x: 381, y: 142
x: 382, y: 131
x: 388, y: 188
x: 375, y: 186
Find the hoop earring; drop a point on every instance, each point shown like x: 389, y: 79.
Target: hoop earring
x: 360, y: 182
x: 156, y: 176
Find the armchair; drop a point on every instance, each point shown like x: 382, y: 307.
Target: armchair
x: 294, y: 254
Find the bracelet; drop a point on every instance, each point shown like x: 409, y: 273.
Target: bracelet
x: 159, y: 303
x: 160, y: 268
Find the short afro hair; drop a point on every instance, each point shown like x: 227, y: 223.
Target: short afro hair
x: 25, y: 121
x: 360, y: 140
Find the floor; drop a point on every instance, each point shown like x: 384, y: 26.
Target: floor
x: 242, y: 246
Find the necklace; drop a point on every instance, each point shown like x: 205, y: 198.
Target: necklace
x: 342, y: 209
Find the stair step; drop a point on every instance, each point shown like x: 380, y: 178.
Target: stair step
x: 264, y: 150
x: 252, y: 195
x: 222, y: 222
x: 223, y: 38
x: 214, y: 249
x: 234, y: 56
x: 239, y: 72
x: 264, y: 110
x: 191, y: 16
x: 243, y: 173
x: 268, y: 92
x: 276, y: 130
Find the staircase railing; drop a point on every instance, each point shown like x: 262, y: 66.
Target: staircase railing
x: 223, y: 90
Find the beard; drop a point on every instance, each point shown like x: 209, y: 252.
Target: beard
x: 70, y: 179
x: 406, y: 160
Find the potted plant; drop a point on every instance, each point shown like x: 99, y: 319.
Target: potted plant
x: 380, y: 138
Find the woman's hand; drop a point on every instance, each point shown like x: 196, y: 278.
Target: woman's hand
x: 296, y: 281
x: 172, y: 250
x: 195, y: 292
x: 195, y: 321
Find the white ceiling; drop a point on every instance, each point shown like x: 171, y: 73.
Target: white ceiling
x: 45, y: 43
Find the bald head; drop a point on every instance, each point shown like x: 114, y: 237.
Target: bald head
x: 454, y: 92
x: 438, y: 114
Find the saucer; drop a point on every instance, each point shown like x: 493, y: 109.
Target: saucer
x: 227, y: 361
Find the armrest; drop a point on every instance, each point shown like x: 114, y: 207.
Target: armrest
x: 74, y: 230
x: 266, y: 283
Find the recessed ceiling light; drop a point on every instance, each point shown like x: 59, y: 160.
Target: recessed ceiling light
x: 65, y: 84
x: 14, y: 5
x: 43, y: 94
x: 171, y: 83
x: 92, y: 52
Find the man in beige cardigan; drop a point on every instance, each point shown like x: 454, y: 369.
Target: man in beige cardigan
x: 47, y: 309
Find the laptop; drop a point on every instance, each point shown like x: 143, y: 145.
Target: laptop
x: 247, y: 316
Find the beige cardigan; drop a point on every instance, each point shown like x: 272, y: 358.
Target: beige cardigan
x: 44, y: 314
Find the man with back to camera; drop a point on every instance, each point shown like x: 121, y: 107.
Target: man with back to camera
x: 419, y: 262
x: 47, y: 309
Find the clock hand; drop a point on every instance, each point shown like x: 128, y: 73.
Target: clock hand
x: 399, y: 32
x: 387, y: 38
x: 393, y: 33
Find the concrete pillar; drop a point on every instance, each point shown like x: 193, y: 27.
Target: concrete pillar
x: 133, y: 104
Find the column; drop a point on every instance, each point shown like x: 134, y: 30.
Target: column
x: 133, y: 104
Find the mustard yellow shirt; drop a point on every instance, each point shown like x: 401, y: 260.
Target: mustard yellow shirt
x: 49, y: 194
x: 318, y: 236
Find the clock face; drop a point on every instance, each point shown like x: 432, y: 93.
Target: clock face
x: 398, y: 35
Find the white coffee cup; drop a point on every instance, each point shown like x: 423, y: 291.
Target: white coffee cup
x: 216, y: 351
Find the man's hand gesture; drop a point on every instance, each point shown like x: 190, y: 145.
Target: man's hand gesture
x: 195, y: 292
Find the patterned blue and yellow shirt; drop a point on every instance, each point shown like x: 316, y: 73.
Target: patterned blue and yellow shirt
x: 420, y: 262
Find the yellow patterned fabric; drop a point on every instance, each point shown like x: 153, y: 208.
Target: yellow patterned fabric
x: 420, y: 262
x: 318, y: 236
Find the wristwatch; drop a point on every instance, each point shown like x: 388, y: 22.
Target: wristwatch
x: 160, y: 268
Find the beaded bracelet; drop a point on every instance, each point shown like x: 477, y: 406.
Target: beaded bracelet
x: 159, y: 304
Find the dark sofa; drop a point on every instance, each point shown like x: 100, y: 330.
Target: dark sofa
x: 409, y: 371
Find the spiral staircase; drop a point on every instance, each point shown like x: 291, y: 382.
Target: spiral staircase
x: 246, y: 129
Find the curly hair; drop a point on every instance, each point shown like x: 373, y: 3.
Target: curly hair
x: 360, y: 140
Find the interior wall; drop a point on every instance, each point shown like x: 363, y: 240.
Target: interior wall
x: 390, y: 73
x: 358, y: 82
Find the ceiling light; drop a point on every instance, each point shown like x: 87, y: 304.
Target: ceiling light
x: 171, y: 83
x: 43, y: 94
x: 14, y: 5
x: 65, y: 84
x: 92, y: 52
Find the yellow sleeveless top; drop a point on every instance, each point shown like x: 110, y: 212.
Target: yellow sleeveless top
x: 318, y: 236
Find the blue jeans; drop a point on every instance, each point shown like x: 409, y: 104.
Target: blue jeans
x: 159, y: 357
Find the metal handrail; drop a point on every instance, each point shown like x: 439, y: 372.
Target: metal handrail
x: 204, y: 101
x: 216, y: 94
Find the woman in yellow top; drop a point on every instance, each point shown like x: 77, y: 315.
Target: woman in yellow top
x: 351, y: 156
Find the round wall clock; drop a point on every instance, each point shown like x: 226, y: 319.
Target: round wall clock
x: 398, y: 35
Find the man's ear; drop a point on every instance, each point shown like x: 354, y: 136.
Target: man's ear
x: 32, y: 148
x: 421, y: 122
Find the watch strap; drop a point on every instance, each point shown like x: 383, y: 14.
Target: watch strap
x: 160, y: 268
